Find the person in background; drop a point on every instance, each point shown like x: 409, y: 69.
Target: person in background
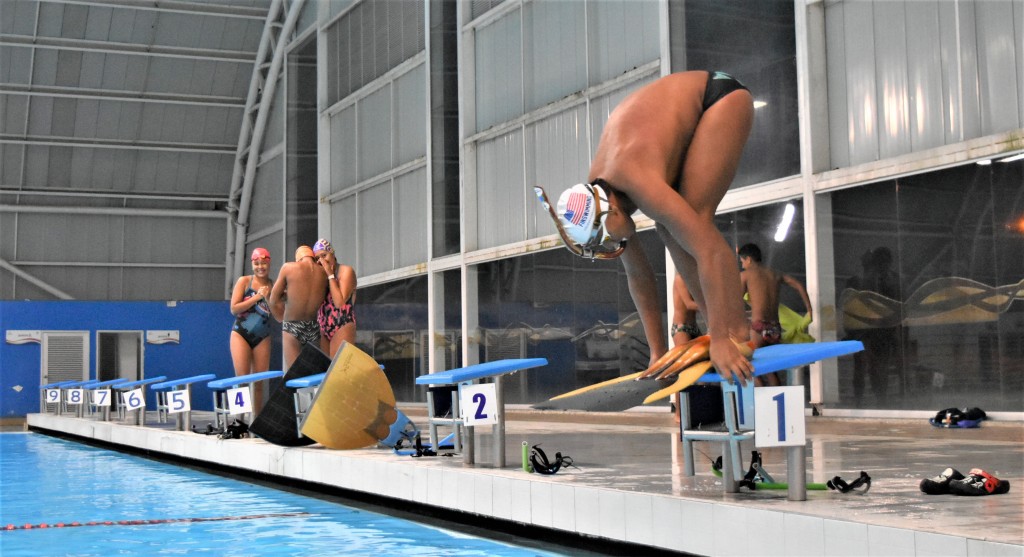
x: 336, y: 316
x: 761, y: 284
x: 294, y: 301
x: 250, y: 334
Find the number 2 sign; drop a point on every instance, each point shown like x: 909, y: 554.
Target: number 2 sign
x: 477, y: 404
x: 779, y: 415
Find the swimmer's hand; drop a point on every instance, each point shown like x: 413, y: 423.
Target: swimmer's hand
x: 325, y: 265
x: 732, y: 359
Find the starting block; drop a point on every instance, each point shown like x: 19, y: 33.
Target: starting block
x: 463, y: 378
x: 739, y: 411
x: 222, y: 406
x: 166, y: 398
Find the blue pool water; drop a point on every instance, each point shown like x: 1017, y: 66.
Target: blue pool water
x: 44, y: 480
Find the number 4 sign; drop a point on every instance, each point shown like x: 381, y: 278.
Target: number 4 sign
x: 239, y: 400
x: 779, y: 415
x: 478, y: 405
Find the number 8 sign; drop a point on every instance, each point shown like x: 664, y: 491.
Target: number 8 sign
x: 779, y: 415
x: 477, y: 404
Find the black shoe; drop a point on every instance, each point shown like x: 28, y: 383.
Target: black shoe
x: 979, y: 482
x: 939, y: 485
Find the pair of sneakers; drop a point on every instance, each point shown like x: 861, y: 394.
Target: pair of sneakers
x: 977, y: 482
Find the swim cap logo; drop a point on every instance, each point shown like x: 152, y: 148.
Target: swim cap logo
x: 577, y: 207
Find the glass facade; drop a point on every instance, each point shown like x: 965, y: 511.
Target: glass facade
x: 929, y: 274
x: 438, y: 119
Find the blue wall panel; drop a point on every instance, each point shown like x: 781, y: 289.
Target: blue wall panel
x: 204, y: 328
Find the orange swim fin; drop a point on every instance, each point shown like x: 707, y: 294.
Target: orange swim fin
x: 698, y: 352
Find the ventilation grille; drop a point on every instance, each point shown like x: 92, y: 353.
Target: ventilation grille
x: 65, y: 358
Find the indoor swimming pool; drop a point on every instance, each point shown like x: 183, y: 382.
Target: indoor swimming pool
x: 59, y: 497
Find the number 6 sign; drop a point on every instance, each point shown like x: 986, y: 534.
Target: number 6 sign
x: 478, y: 405
x: 779, y: 415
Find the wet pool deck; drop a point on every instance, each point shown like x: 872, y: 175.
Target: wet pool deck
x: 628, y: 484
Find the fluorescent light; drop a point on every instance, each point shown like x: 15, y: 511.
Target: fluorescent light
x: 760, y: 104
x: 984, y: 162
x: 1012, y: 158
x: 787, y: 220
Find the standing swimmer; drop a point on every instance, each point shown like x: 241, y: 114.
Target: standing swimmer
x: 250, y: 334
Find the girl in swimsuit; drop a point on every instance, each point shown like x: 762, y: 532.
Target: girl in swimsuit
x: 337, y: 317
x: 250, y: 334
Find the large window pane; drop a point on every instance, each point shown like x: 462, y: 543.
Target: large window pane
x: 392, y: 321
x: 576, y: 313
x: 929, y: 272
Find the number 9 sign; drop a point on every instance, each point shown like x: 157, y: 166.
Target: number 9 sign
x: 477, y: 404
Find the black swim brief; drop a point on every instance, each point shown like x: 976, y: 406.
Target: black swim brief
x: 719, y: 85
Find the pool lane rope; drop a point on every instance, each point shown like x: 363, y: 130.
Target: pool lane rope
x: 45, y: 525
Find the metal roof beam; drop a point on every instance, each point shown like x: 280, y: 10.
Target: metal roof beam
x: 39, y: 283
x: 117, y: 95
x: 107, y: 47
x: 172, y: 6
x: 115, y: 211
x: 126, y: 144
x: 107, y: 194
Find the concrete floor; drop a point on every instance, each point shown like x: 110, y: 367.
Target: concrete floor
x: 628, y: 485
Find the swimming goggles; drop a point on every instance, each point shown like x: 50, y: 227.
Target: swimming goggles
x: 593, y: 249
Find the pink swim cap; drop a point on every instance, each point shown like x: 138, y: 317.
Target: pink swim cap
x: 260, y: 253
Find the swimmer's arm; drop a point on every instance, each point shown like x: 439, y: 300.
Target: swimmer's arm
x: 238, y: 305
x: 643, y: 288
x: 343, y: 285
x: 795, y: 285
x: 716, y: 266
x: 277, y: 296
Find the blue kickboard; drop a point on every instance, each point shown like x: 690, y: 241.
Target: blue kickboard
x: 785, y: 356
x: 479, y: 371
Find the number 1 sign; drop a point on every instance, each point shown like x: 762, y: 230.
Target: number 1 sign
x: 779, y: 417
x: 478, y: 405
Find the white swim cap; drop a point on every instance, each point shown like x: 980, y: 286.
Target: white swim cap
x: 582, y: 210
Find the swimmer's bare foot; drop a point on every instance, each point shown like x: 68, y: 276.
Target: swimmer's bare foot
x: 732, y: 359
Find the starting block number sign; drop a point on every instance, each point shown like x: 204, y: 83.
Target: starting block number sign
x: 133, y: 400
x: 74, y: 396
x: 178, y: 401
x: 239, y: 401
x: 101, y: 397
x: 478, y: 405
x: 52, y: 396
x: 779, y: 417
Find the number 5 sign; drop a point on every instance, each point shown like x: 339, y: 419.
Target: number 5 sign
x: 779, y: 415
x: 477, y: 404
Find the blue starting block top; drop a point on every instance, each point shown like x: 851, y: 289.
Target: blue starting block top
x: 77, y: 384
x: 479, y: 371
x: 110, y: 383
x: 785, y: 356
x: 57, y: 385
x: 231, y: 382
x: 306, y: 382
x: 169, y: 385
x: 141, y: 382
